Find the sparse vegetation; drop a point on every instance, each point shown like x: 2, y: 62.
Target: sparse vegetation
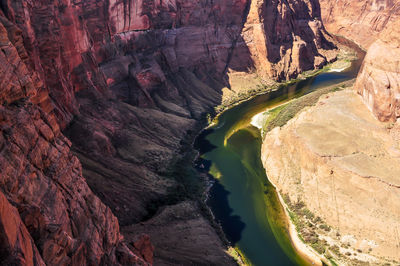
x: 280, y: 115
x: 254, y: 85
x: 325, y: 227
x: 307, y: 226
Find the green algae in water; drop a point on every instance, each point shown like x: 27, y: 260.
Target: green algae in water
x: 242, y: 199
x: 269, y: 215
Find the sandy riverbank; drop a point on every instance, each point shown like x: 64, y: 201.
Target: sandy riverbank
x: 339, y: 166
x: 303, y: 249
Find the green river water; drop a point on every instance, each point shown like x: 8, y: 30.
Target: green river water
x: 242, y: 199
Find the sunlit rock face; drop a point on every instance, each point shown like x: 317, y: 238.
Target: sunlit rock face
x: 96, y: 98
x: 285, y: 38
x: 379, y: 79
x: 374, y: 25
x: 48, y: 214
x: 360, y: 21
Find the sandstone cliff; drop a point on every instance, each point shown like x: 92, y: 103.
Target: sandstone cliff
x: 335, y: 160
x: 48, y: 213
x: 285, y: 38
x: 374, y: 25
x: 379, y: 79
x: 126, y: 81
x: 360, y: 21
x: 339, y: 167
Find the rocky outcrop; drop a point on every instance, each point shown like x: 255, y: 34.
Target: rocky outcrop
x: 379, y: 79
x: 184, y: 217
x: 285, y: 38
x: 126, y: 82
x: 340, y: 162
x: 17, y: 247
x: 360, y: 21
x: 373, y: 25
x: 48, y: 212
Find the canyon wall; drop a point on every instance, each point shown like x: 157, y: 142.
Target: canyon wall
x: 360, y: 21
x: 374, y: 25
x: 379, y: 79
x: 335, y: 163
x: 342, y: 165
x: 126, y: 82
x: 286, y: 38
x: 48, y: 214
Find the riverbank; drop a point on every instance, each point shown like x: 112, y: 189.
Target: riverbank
x: 303, y: 249
x: 278, y: 117
x: 247, y: 86
x: 335, y: 167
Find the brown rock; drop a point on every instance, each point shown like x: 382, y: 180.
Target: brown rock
x: 285, y: 38
x: 374, y: 25
x: 16, y: 244
x: 379, y: 79
x: 144, y: 248
x: 59, y: 220
x: 360, y: 21
x: 344, y: 165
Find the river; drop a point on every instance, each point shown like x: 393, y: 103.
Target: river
x: 241, y: 197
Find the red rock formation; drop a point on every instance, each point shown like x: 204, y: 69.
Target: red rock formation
x: 379, y: 79
x: 16, y: 245
x: 286, y: 38
x: 360, y: 21
x: 126, y: 82
x: 374, y: 25
x: 67, y: 223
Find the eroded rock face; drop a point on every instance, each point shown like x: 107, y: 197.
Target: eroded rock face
x: 17, y: 246
x: 379, y: 79
x: 126, y: 81
x: 48, y: 213
x: 360, y: 21
x: 285, y: 38
x: 374, y: 25
x: 344, y: 164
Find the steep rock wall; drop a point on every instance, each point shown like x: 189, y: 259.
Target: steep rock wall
x: 379, y: 79
x: 285, y: 38
x: 374, y: 25
x: 360, y: 21
x: 126, y: 82
x: 48, y: 213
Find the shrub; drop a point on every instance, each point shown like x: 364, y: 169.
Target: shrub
x: 318, y: 247
x: 325, y: 227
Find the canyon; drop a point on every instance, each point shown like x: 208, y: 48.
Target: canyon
x: 374, y: 25
x: 99, y: 100
x: 336, y: 164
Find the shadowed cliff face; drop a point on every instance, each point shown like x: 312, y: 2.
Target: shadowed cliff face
x: 48, y: 214
x: 126, y: 81
x: 374, y: 25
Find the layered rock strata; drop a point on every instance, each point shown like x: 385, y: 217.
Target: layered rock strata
x: 374, y: 25
x: 360, y: 21
x: 48, y: 214
x: 126, y: 81
x: 344, y: 165
x: 285, y: 38
x: 379, y: 79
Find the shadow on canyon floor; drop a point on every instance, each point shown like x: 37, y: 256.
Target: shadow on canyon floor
x: 232, y: 225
